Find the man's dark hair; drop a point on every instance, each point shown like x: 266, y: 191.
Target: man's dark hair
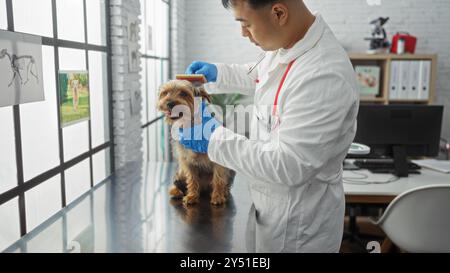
x: 255, y: 4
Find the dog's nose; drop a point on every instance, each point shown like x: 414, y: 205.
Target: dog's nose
x: 170, y: 104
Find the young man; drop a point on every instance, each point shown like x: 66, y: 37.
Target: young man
x: 309, y: 84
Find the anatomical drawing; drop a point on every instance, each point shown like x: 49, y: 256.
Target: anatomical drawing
x: 22, y: 67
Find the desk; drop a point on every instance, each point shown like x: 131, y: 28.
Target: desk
x: 385, y: 193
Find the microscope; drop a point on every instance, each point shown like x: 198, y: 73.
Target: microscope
x: 378, y: 42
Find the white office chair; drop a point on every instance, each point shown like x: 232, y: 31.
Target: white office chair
x: 419, y: 220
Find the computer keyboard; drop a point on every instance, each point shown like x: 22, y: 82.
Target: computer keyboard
x: 383, y: 166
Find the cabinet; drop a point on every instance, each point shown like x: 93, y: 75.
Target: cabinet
x: 408, y: 78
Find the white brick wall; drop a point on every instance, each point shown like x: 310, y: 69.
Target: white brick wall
x: 214, y: 35
x: 428, y: 20
x: 127, y: 127
x: 178, y: 34
x: 211, y: 34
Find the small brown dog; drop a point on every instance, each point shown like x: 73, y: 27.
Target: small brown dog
x: 196, y: 172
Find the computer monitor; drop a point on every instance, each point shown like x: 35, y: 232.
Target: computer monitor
x: 399, y: 131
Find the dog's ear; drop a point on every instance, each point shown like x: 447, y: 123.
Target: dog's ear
x: 200, y: 91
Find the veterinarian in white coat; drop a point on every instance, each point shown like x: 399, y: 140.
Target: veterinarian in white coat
x: 295, y: 160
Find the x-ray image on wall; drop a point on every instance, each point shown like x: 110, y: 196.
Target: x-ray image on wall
x: 21, y: 78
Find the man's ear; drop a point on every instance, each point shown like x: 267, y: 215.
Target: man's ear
x: 280, y: 10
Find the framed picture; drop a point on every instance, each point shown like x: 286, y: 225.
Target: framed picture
x: 21, y: 78
x: 369, y: 80
x: 133, y: 44
x: 135, y: 100
x: 73, y: 97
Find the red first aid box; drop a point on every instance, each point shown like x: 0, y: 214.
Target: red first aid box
x: 410, y: 42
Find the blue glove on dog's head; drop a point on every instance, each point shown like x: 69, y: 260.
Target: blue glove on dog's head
x: 196, y: 138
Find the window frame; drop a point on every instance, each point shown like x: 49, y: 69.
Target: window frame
x: 23, y: 186
x: 161, y: 59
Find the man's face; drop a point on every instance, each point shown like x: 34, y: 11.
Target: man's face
x: 257, y: 24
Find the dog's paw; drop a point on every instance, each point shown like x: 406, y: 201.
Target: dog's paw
x: 218, y: 200
x: 190, y: 199
x: 175, y: 192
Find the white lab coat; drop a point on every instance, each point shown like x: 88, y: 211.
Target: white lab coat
x: 296, y: 185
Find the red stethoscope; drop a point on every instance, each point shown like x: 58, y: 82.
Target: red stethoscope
x: 275, y: 102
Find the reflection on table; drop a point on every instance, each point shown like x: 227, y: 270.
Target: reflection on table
x: 132, y: 212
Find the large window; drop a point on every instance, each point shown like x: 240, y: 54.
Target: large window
x: 43, y: 166
x: 155, y: 64
x: 3, y: 21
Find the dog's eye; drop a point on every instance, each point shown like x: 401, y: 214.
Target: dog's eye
x: 183, y: 94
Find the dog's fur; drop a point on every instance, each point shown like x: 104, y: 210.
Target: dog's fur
x: 196, y: 173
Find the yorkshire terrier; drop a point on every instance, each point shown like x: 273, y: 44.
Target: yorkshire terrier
x: 196, y: 172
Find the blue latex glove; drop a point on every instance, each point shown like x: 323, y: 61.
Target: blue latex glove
x: 207, y: 69
x: 196, y: 138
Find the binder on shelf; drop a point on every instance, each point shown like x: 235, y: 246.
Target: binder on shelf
x: 424, y: 82
x: 414, y: 77
x: 404, y: 80
x: 394, y: 80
